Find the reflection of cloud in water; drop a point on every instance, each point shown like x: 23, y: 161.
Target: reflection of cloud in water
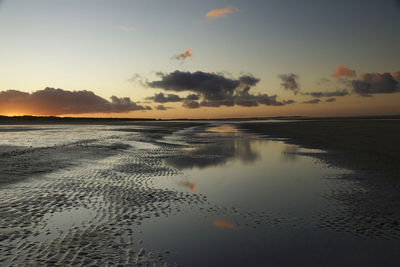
x: 222, y: 130
x: 225, y: 225
x: 215, y: 154
x: 189, y: 185
x: 290, y: 153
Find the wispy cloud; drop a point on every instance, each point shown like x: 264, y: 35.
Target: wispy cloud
x: 343, y: 92
x: 162, y: 107
x: 127, y: 29
x: 312, y: 101
x: 289, y: 82
x: 220, y: 13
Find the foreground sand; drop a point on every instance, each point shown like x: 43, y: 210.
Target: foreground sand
x: 76, y: 203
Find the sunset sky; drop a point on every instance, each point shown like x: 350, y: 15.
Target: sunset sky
x: 199, y: 59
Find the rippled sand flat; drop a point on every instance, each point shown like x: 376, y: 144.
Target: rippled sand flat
x: 208, y: 194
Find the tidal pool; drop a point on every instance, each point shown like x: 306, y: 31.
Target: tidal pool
x: 269, y: 203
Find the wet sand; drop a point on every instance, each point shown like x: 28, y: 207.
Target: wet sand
x: 370, y: 148
x: 151, y: 193
x: 362, y: 144
x: 77, y: 203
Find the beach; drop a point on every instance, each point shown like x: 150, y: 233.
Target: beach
x: 195, y: 193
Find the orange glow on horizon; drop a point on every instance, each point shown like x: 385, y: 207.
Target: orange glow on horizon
x: 349, y: 106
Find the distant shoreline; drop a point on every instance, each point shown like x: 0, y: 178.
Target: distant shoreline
x: 7, y: 120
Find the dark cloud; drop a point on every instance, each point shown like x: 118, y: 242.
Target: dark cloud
x: 162, y: 98
x: 312, y: 101
x: 331, y: 99
x: 139, y: 79
x: 217, y: 103
x: 169, y: 98
x: 289, y: 82
x: 211, y: 86
x: 191, y: 104
x: 51, y: 101
x: 249, y: 80
x: 248, y: 100
x: 134, y: 78
x: 215, y: 90
x: 343, y: 92
x: 162, y: 107
x: 376, y: 83
x: 192, y: 97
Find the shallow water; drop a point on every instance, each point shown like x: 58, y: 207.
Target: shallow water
x: 202, y: 196
x: 268, y: 205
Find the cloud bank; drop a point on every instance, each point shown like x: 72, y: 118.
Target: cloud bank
x: 215, y: 90
x: 51, y: 101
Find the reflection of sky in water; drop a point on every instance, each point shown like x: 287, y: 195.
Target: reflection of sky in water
x: 267, y: 200
x: 214, y: 154
x: 254, y: 174
x: 221, y: 130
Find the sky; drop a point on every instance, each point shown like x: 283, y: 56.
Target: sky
x: 199, y: 59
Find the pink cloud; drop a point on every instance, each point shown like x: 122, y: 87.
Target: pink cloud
x: 343, y: 71
x: 219, y: 13
x: 184, y: 55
